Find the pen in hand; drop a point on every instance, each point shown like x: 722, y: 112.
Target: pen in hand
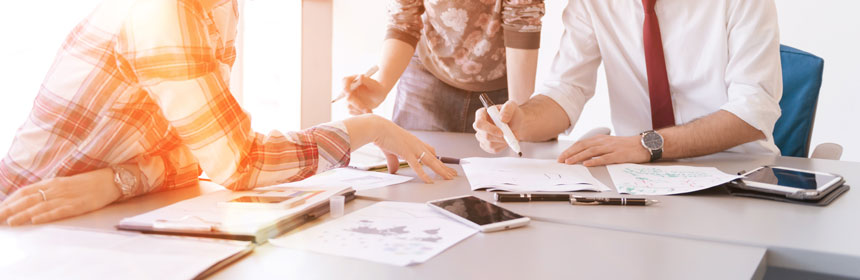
x: 356, y: 82
x: 509, y: 136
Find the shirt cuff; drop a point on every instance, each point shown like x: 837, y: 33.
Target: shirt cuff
x: 332, y: 141
x: 402, y: 36
x: 572, y: 105
x: 758, y: 110
x: 522, y: 40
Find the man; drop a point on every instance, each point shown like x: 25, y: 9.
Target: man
x: 685, y: 79
x: 138, y: 101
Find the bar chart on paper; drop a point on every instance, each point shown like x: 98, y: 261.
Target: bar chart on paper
x: 664, y: 180
x: 396, y: 233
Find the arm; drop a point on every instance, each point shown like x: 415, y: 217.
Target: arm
x: 707, y: 135
x: 521, y: 21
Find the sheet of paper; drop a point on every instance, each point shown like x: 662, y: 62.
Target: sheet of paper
x: 397, y: 233
x: 664, y: 180
x: 66, y: 253
x: 351, y: 177
x: 528, y: 175
x: 368, y: 157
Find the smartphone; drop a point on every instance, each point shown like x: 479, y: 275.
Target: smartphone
x: 264, y: 202
x: 478, y: 213
x: 793, y: 183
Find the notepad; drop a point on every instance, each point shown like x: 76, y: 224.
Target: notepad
x: 70, y: 253
x: 528, y: 175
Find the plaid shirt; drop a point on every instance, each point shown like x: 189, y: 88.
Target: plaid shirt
x: 145, y: 82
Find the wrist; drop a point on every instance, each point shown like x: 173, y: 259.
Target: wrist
x: 363, y: 129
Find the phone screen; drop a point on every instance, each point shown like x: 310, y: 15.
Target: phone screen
x: 790, y: 178
x: 477, y: 210
x: 261, y: 199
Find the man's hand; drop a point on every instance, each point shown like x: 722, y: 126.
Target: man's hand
x: 489, y: 135
x: 604, y: 149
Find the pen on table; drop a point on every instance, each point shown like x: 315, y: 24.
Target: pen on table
x: 497, y: 119
x: 355, y: 83
x: 448, y: 160
x: 576, y: 200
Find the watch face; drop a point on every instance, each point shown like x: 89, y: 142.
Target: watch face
x: 652, y: 140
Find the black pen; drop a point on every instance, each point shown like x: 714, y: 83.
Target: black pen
x: 448, y: 160
x: 526, y: 197
x: 635, y: 201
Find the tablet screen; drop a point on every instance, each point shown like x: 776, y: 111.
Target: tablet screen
x: 790, y: 178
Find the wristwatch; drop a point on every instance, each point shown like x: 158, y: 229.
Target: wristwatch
x: 653, y: 142
x: 124, y: 180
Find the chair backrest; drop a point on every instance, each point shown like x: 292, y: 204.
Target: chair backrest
x: 801, y: 82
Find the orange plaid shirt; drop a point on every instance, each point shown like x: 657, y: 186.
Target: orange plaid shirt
x: 146, y: 82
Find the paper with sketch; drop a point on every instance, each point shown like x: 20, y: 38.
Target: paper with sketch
x: 528, y: 175
x: 350, y: 177
x: 397, y: 233
x: 665, y: 179
x: 68, y: 253
x: 368, y: 157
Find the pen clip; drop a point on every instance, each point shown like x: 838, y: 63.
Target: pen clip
x: 485, y: 100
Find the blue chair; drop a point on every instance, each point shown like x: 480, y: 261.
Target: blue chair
x: 801, y: 80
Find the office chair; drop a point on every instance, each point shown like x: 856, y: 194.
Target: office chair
x: 801, y: 80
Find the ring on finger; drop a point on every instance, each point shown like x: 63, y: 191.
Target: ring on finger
x: 44, y: 196
x: 421, y: 156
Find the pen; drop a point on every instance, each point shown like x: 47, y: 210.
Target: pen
x: 497, y: 119
x: 448, y: 160
x: 355, y: 83
x: 638, y: 201
x: 526, y: 197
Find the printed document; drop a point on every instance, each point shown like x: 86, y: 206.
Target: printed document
x: 665, y: 179
x: 350, y: 177
x: 528, y: 175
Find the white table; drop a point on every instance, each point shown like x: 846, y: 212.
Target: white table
x: 817, y: 239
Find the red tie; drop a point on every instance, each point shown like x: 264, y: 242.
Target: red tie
x: 655, y: 64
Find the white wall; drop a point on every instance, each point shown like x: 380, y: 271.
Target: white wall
x: 827, y: 28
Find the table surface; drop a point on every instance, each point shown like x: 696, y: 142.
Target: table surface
x: 542, y: 250
x: 810, y: 238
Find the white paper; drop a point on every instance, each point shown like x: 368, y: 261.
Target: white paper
x: 64, y: 253
x: 528, y: 175
x: 368, y: 157
x: 664, y: 180
x: 350, y: 177
x: 397, y: 233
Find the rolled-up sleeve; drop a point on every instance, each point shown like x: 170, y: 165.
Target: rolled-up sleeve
x: 753, y: 73
x: 521, y: 21
x: 573, y: 75
x: 404, y: 20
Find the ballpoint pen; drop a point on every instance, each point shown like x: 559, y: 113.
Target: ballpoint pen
x: 636, y: 201
x: 497, y: 119
x: 526, y: 197
x: 355, y: 83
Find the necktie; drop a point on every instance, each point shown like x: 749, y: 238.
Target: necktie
x: 662, y: 114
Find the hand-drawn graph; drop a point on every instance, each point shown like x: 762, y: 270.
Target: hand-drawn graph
x: 521, y: 174
x: 664, y: 180
x: 390, y: 232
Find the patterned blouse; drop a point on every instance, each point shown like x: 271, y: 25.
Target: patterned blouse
x: 145, y: 82
x: 462, y: 42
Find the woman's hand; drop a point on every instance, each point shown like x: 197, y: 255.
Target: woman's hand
x: 60, y: 197
x: 395, y: 140
x: 363, y: 93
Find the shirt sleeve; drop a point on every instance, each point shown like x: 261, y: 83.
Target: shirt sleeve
x: 753, y: 72
x: 521, y: 21
x: 170, y: 50
x: 573, y: 76
x: 404, y: 20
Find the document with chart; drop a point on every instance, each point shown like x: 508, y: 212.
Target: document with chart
x: 528, y: 175
x: 397, y: 233
x: 665, y: 179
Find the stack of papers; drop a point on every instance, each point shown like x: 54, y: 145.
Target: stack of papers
x: 397, y: 233
x: 664, y: 180
x: 528, y: 175
x: 349, y: 177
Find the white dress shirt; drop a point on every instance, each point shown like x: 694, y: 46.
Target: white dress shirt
x: 720, y: 55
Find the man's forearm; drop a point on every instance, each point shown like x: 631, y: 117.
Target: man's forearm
x: 543, y: 120
x: 713, y: 133
x: 521, y: 70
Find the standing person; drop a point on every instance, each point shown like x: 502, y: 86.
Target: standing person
x: 451, y: 51
x: 138, y: 101
x: 685, y: 79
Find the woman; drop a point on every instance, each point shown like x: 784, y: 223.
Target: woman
x: 461, y: 48
x: 141, y: 103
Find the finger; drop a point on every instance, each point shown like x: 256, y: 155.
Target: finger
x: 443, y: 170
x: 588, y: 153
x: 392, y: 161
x: 53, y: 214
x: 24, y: 216
x: 506, y: 112
x: 19, y: 205
x: 577, y: 147
x: 22, y: 192
x: 347, y: 82
x: 491, y: 138
x: 483, y: 123
x: 415, y: 165
x: 610, y: 158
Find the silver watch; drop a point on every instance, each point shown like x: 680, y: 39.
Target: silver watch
x: 124, y: 180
